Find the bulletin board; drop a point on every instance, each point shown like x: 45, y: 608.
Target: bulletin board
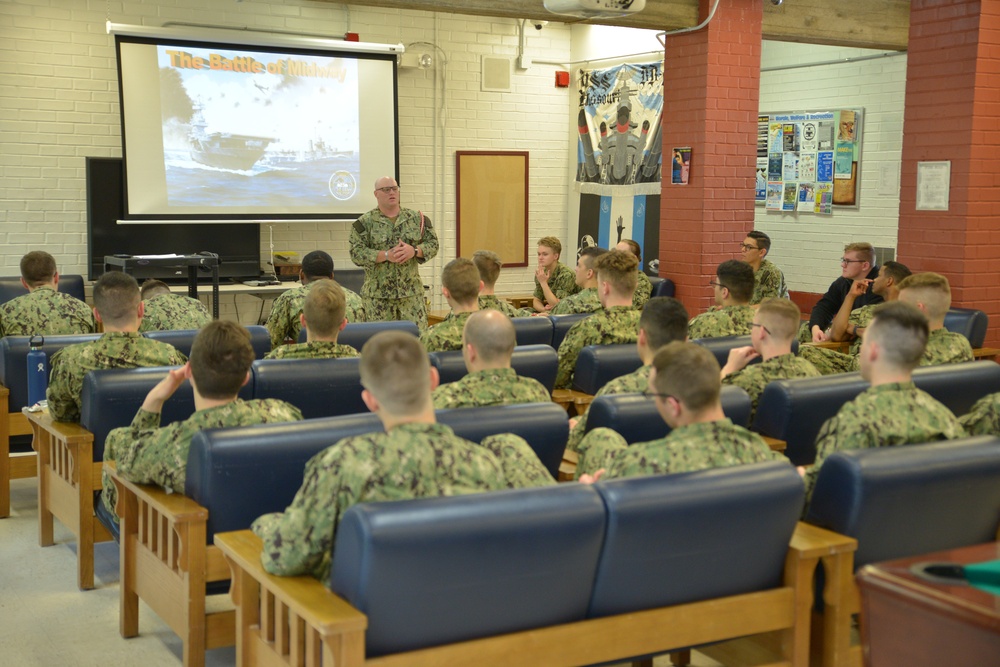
x: 492, y: 192
x: 808, y: 162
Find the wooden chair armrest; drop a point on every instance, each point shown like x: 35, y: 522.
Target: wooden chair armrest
x: 985, y: 353
x: 67, y: 432
x: 775, y: 444
x: 320, y: 607
x: 814, y: 542
x: 177, y: 507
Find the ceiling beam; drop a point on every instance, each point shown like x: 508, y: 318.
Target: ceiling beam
x: 877, y: 24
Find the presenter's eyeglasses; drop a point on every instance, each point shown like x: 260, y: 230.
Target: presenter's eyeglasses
x: 844, y: 260
x: 747, y: 246
x: 389, y: 188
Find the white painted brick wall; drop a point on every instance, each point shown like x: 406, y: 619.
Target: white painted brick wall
x: 807, y: 246
x: 59, y: 104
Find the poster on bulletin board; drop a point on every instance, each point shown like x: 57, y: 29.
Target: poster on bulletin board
x: 808, y: 162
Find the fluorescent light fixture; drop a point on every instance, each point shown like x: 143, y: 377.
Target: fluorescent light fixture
x: 249, y: 38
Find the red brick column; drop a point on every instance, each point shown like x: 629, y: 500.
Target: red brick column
x: 711, y: 90
x: 953, y: 113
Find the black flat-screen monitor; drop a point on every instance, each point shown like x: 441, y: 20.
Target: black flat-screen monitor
x: 238, y: 245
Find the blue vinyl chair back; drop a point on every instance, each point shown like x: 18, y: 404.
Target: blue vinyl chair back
x: 317, y: 387
x: 599, y: 364
x: 561, y: 324
x: 635, y: 418
x: 434, y: 571
x: 969, y: 322
x: 532, y: 330
x: 673, y: 539
x: 182, y: 339
x: 911, y: 499
x: 11, y: 287
x: 14, y: 363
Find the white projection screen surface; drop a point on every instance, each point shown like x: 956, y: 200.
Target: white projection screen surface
x: 217, y: 132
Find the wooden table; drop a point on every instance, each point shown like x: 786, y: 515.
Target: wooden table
x: 909, y: 621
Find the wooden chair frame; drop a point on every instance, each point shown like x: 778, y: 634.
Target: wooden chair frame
x: 17, y: 465
x: 68, y: 476
x: 298, y: 621
x: 166, y: 561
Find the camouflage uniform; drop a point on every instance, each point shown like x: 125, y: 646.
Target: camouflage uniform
x: 943, y: 347
x: 447, y: 334
x: 829, y: 362
x: 720, y: 321
x: 635, y: 382
x: 890, y: 414
x: 168, y: 312
x: 283, y: 320
x: 149, y: 454
x: 643, y: 290
x: 946, y: 347
x: 410, y: 461
x: 47, y: 312
x: 493, y: 302
x: 495, y: 386
x: 768, y: 281
x: 316, y: 349
x: 860, y: 318
x: 562, y: 282
x: 112, y: 350
x: 609, y: 326
x: 392, y: 291
x: 584, y: 301
x: 755, y: 377
x: 715, y: 444
x: 984, y: 417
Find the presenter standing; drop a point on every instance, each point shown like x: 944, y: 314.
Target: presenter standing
x: 390, y: 242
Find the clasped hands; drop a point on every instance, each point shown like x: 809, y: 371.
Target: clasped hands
x: 401, y: 252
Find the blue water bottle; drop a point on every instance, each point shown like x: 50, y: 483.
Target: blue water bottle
x: 38, y: 370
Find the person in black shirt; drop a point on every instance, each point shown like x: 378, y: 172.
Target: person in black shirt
x: 858, y: 262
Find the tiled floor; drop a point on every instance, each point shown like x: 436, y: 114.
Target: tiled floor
x: 46, y: 620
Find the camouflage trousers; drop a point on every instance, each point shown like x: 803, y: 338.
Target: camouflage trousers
x: 829, y: 362
x: 385, y: 310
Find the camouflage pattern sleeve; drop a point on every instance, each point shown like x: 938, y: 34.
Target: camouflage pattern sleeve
x: 862, y: 317
x: 493, y: 302
x: 711, y: 324
x: 355, y: 307
x: 829, y: 362
x: 362, y: 252
x: 147, y: 454
x: 578, y: 337
x: 446, y: 335
x: 170, y: 312
x: 563, y: 283
x: 598, y: 450
x: 429, y: 244
x: 47, y: 312
x: 946, y: 347
x: 984, y: 417
x: 119, y: 440
x: 283, y: 320
x: 584, y: 301
x: 63, y: 400
x: 769, y: 282
x: 521, y: 467
x: 411, y: 461
x: 884, y: 416
x: 643, y: 290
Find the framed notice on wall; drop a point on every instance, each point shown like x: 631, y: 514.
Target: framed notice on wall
x: 808, y: 162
